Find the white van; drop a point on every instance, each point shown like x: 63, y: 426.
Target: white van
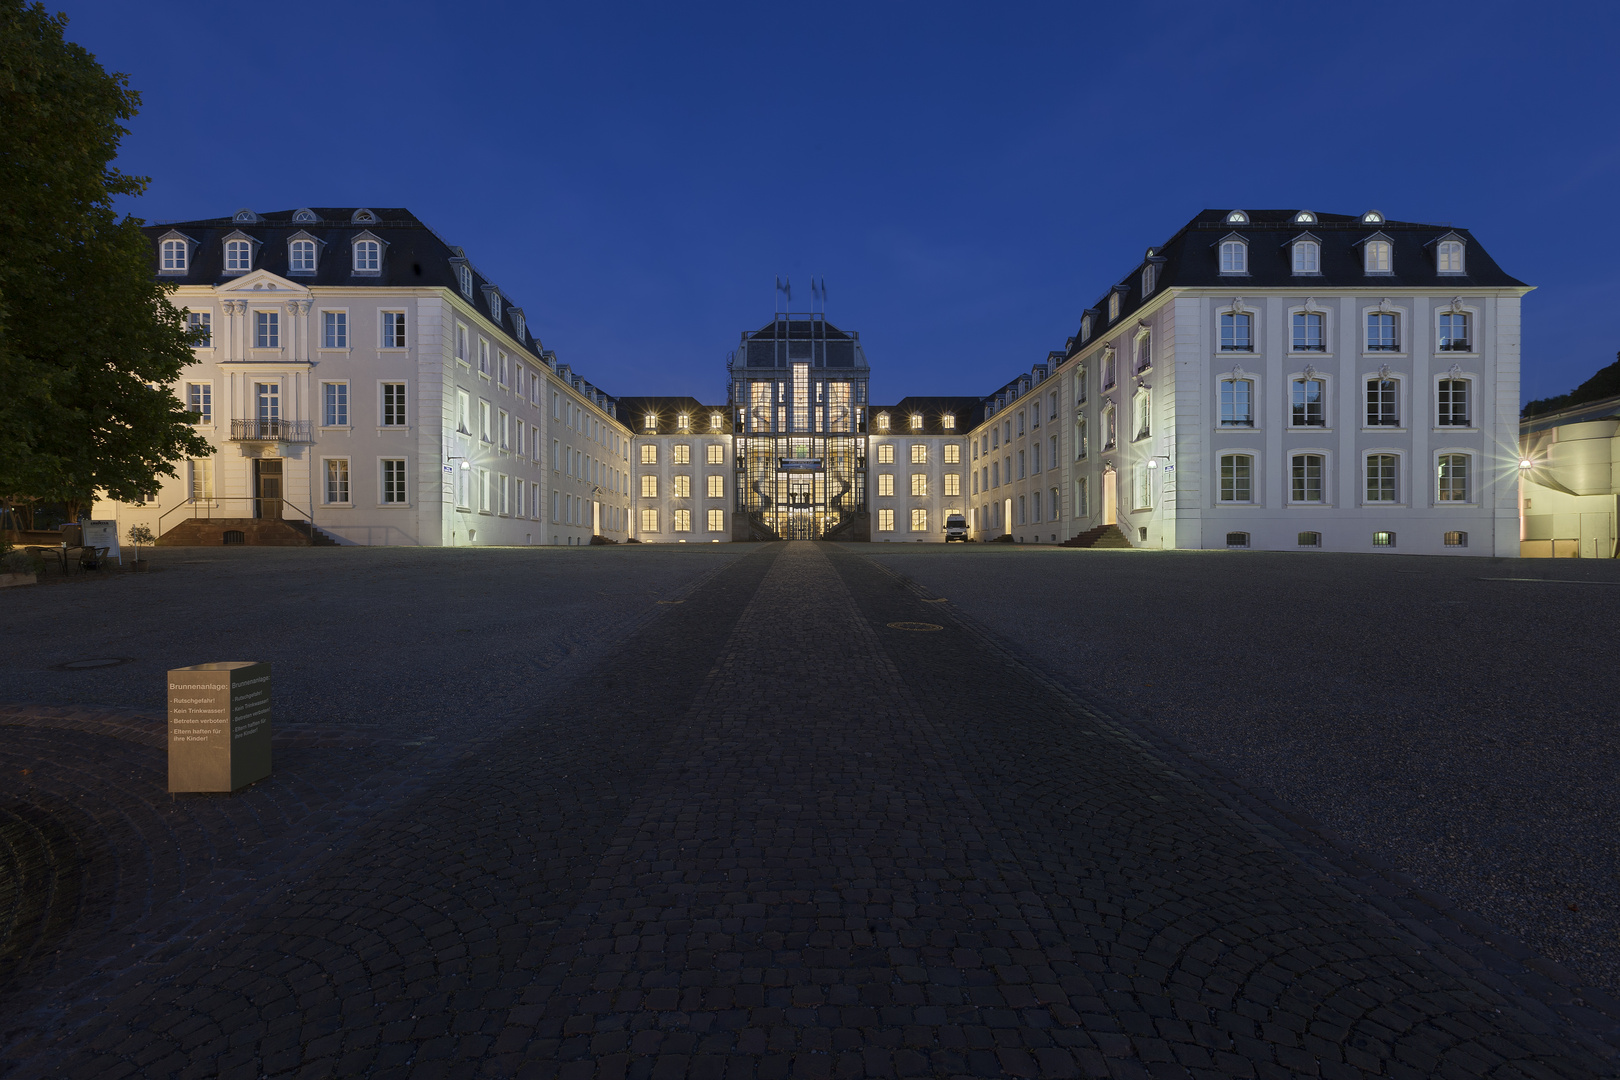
x: 955, y: 528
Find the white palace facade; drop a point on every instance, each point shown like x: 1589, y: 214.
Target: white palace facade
x: 1267, y: 379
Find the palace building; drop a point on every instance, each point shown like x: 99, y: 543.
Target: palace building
x: 1276, y: 379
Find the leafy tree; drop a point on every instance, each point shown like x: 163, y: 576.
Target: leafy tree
x: 90, y: 346
x: 1606, y: 383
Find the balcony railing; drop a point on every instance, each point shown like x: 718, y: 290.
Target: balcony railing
x: 294, y: 431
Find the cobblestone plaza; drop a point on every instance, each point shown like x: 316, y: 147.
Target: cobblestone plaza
x: 820, y: 810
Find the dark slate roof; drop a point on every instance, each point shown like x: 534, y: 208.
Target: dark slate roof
x: 799, y: 339
x: 413, y: 254
x: 633, y: 415
x: 1191, y: 258
x: 967, y: 410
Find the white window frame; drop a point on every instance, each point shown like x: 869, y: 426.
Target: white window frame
x: 1238, y: 375
x: 1220, y: 332
x: 168, y: 263
x: 1234, y: 258
x: 382, y: 483
x: 272, y: 338
x: 205, y: 407
x: 1142, y: 492
x: 919, y: 519
x: 1471, y: 382
x: 1471, y: 478
x: 1326, y: 479
x: 293, y: 249
x: 232, y: 264
x: 1442, y: 258
x: 1401, y: 404
x: 334, y: 328
x: 1326, y: 348
x: 716, y: 519
x: 1298, y: 377
x: 385, y: 321
x: 347, y: 481
x: 885, y: 519
x: 1113, y: 306
x: 885, y: 485
x: 1378, y: 258
x: 1401, y: 480
x: 463, y: 346
x: 1143, y: 346
x: 713, y: 481
x: 1255, y: 489
x: 201, y: 319
x: 367, y: 256
x: 347, y: 423
x: 1472, y: 315
x: 382, y: 407
x: 1306, y: 251
x: 1400, y: 315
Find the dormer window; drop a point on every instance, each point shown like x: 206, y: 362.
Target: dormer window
x: 364, y: 217
x: 1376, y: 256
x: 714, y: 421
x: 1113, y: 306
x: 518, y: 324
x: 301, y: 257
x: 304, y: 215
x: 1372, y: 217
x: 948, y: 421
x: 651, y: 421
x: 883, y: 421
x: 1449, y: 257
x: 1237, y: 217
x: 683, y: 422
x: 1304, y: 217
x: 238, y: 256
x: 367, y: 256
x: 1085, y: 329
x: 1148, y: 274
x: 176, y: 257
x: 244, y: 215
x: 1234, y: 257
x: 1307, y: 257
x: 493, y: 296
x: 916, y: 422
x: 464, y: 277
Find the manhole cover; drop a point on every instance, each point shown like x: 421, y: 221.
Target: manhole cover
x: 93, y: 662
x: 914, y: 626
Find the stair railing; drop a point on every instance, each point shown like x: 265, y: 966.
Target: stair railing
x: 211, y: 502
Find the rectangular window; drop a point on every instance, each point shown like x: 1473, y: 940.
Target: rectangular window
x: 1307, y: 478
x: 1021, y: 473
x: 1383, y: 539
x: 1081, y: 509
x: 486, y: 423
x: 393, y: 481
x: 463, y: 412
x: 919, y: 520
x: 200, y: 400
x: 717, y: 521
x: 1454, y: 331
x: 393, y: 404
x: 1237, y: 403
x: 715, y: 453
x: 1144, y: 486
x: 1237, y: 331
x: 1453, y: 477
x: 175, y: 254
x: 1307, y: 331
x: 649, y: 453
x: 461, y: 343
x: 649, y: 519
x: 885, y: 453
x: 683, y: 521
x: 1456, y: 539
x: 953, y: 484
x: 1307, y: 403
x: 267, y: 398
x: 505, y: 487
x: 266, y: 330
x: 1237, y: 478
x: 1081, y: 440
x: 885, y: 482
x: 682, y: 454
x: 1383, y: 403
x: 1377, y: 257
x: 919, y: 483
x: 202, y: 480
x: 335, y: 404
x: 517, y: 498
x: 1382, y: 332
x: 953, y: 453
x: 717, y: 486
x: 919, y: 453
x: 201, y: 324
x: 885, y: 519
x: 337, y: 480
x: 1035, y: 506
x: 503, y: 367
x: 1453, y: 403
x: 483, y: 357
x: 1381, y: 478
x: 393, y: 329
x: 1310, y: 539
x: 334, y: 330
x: 649, y: 486
x: 682, y: 484
x: 504, y: 428
x: 1307, y: 257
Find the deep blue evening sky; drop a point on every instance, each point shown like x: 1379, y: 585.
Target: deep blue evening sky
x: 968, y: 178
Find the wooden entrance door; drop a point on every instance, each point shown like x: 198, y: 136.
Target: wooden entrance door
x: 267, y: 488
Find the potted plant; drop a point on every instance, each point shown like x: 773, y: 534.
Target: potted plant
x: 138, y: 535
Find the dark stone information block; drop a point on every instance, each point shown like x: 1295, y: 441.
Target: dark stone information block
x: 219, y: 726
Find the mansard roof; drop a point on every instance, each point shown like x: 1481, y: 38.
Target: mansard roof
x: 1192, y: 259
x: 967, y: 410
x: 416, y: 255
x: 633, y: 413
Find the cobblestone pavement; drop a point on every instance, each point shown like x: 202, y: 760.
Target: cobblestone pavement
x: 805, y: 824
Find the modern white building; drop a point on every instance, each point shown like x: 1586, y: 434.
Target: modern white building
x: 363, y: 383
x: 1275, y: 379
x: 1570, y: 466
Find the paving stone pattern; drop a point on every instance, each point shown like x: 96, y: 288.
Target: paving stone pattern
x: 774, y: 836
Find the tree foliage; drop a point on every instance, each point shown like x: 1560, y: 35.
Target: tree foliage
x: 90, y: 346
x: 1606, y: 383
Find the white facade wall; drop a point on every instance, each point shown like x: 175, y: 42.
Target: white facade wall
x: 935, y: 504
x: 587, y: 451
x: 658, y: 457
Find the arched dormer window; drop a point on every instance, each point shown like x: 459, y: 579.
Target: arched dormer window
x: 367, y: 256
x: 239, y: 252
x: 363, y: 216
x: 1448, y: 256
x: 304, y: 215
x: 1372, y: 217
x: 1149, y: 278
x: 883, y: 421
x: 302, y: 252
x: 1307, y: 255
x: 1085, y: 329
x: 464, y: 278
x: 518, y: 323
x: 492, y: 296
x: 1378, y: 255
x: 714, y: 421
x: 1234, y: 257
x: 948, y: 421
x: 174, y: 253
x: 1113, y: 306
x: 244, y: 215
x: 1304, y: 217
x: 1237, y: 217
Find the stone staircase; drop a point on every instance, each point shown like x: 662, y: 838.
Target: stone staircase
x: 1103, y: 536
x: 254, y: 532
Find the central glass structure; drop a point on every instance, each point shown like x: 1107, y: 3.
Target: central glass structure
x: 798, y: 396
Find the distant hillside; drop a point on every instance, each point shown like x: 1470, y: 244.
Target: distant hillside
x: 1606, y: 383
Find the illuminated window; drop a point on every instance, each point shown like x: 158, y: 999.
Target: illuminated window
x: 1148, y: 278
x: 716, y: 453
x: 948, y: 421
x: 1307, y: 478
x: 1376, y: 257
x: 1449, y: 257
x: 1085, y: 329
x: 885, y: 483
x: 953, y: 453
x: 683, y: 422
x: 1381, y: 485
x: 717, y: 486
x: 681, y: 486
x: 715, y: 420
x: 649, y: 519
x: 683, y: 521
x: 1453, y: 477
x: 953, y: 484
x: 885, y: 453
x: 1142, y: 406
x: 1383, y: 539
x: 916, y: 421
x: 1113, y: 306
x: 1080, y: 439
x: 1237, y: 478
x: 919, y: 520
x: 1456, y: 539
x: 717, y: 521
x: 886, y: 520
x: 649, y: 486
x: 919, y: 453
x: 919, y: 483
x: 1110, y: 428
x: 649, y: 453
x: 1307, y: 331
